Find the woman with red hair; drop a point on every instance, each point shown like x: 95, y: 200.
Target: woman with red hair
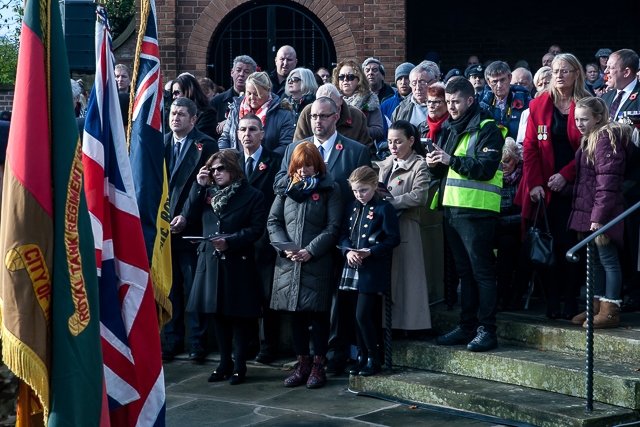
x: 307, y: 212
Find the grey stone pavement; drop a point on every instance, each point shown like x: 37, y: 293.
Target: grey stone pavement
x: 263, y: 401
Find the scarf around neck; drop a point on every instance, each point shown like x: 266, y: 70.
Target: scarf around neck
x: 221, y: 196
x: 298, y: 189
x: 245, y: 109
x: 435, y: 125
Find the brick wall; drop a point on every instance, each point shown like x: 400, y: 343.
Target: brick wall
x: 359, y: 29
x: 6, y: 97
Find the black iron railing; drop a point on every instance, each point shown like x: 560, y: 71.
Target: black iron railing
x: 572, y: 255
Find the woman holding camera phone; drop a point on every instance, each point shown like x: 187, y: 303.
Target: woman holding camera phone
x: 226, y: 282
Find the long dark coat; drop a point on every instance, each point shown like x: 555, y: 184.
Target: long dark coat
x: 314, y: 225
x: 374, y: 275
x: 228, y: 284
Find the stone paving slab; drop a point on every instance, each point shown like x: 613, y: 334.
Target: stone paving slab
x: 263, y: 401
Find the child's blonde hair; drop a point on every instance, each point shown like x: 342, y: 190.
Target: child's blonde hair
x: 364, y: 175
x: 598, y: 107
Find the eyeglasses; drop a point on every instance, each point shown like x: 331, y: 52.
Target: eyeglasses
x: 563, y: 72
x: 176, y: 92
x: 214, y: 169
x: 321, y: 116
x: 250, y: 129
x: 294, y: 80
x: 349, y: 77
x: 421, y: 83
x: 434, y: 103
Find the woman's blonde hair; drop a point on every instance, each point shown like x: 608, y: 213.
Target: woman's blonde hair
x: 579, y: 89
x: 598, y: 107
x: 363, y: 87
x: 260, y: 80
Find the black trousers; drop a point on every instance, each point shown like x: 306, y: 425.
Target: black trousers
x: 472, y: 241
x: 319, y: 322
x: 230, y: 329
x: 366, y: 333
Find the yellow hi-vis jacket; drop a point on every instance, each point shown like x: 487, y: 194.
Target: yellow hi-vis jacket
x: 462, y: 192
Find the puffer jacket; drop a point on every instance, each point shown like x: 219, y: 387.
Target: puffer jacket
x: 278, y: 127
x: 597, y: 192
x: 517, y: 101
x: 313, y: 225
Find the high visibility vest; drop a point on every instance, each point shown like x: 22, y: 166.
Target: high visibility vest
x: 462, y: 192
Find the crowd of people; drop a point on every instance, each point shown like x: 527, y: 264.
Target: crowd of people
x: 275, y: 174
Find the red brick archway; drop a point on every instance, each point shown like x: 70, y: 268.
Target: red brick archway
x: 196, y: 49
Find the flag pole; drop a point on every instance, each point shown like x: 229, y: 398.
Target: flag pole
x: 24, y: 405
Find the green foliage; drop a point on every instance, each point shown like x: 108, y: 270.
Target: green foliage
x: 121, y: 12
x: 8, y: 59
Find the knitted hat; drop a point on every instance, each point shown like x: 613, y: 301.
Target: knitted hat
x: 404, y: 69
x: 368, y: 60
x: 603, y: 52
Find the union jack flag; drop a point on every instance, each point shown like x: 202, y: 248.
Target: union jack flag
x: 132, y: 363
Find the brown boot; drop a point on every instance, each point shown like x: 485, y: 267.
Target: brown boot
x: 300, y: 374
x: 318, y: 377
x: 609, y: 316
x: 582, y: 317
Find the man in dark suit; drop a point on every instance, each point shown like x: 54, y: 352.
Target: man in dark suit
x: 624, y: 95
x: 342, y: 156
x: 186, y: 151
x: 261, y: 165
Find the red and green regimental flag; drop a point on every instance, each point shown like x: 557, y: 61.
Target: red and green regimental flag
x: 50, y: 323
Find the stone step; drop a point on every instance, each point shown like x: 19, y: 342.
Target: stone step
x: 508, y: 402
x: 614, y: 384
x: 532, y: 329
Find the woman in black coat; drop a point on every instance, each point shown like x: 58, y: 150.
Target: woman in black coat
x: 185, y: 85
x: 226, y: 282
x: 307, y: 212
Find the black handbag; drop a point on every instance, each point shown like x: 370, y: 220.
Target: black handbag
x: 538, y: 243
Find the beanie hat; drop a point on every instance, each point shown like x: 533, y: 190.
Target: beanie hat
x: 603, y: 52
x: 404, y: 69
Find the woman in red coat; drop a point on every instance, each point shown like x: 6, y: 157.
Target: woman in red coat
x: 549, y: 147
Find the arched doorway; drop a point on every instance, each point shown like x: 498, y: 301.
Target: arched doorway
x: 259, y: 30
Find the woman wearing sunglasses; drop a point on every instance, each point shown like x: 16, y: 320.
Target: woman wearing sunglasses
x: 274, y: 112
x: 226, y: 282
x: 300, y: 90
x: 349, y: 78
x: 186, y: 86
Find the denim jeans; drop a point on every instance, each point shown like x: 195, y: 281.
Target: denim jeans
x: 472, y: 243
x: 607, y: 273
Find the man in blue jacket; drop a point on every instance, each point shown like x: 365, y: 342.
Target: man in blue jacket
x: 504, y: 101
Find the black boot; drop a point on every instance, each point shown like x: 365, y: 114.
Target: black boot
x: 361, y: 361
x: 373, y: 365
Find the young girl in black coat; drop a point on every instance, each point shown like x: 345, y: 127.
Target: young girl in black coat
x: 369, y: 233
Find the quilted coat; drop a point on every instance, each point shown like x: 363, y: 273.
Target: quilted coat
x: 597, y: 193
x: 313, y: 225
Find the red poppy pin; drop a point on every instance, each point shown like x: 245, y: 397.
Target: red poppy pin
x: 199, y: 146
x: 633, y: 96
x: 517, y: 104
x: 349, y: 121
x: 262, y: 166
x: 339, y: 147
x: 400, y: 180
x: 315, y: 196
x: 208, y: 201
x: 370, y: 216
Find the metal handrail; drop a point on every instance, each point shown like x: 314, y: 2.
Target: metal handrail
x: 572, y: 256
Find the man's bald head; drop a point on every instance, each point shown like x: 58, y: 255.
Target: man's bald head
x: 286, y: 61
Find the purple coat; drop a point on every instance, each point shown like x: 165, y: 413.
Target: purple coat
x: 597, y: 192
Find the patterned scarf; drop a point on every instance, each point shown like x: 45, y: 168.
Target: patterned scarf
x: 221, y: 196
x: 299, y: 188
x: 245, y: 108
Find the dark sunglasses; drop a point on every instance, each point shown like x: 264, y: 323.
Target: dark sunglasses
x: 294, y: 80
x: 218, y: 169
x: 349, y: 77
x: 176, y: 92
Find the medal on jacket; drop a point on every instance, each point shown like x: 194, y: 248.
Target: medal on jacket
x: 542, y: 132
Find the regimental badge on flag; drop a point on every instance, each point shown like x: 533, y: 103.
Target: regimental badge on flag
x: 146, y: 143
x: 48, y: 286
x: 129, y: 325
